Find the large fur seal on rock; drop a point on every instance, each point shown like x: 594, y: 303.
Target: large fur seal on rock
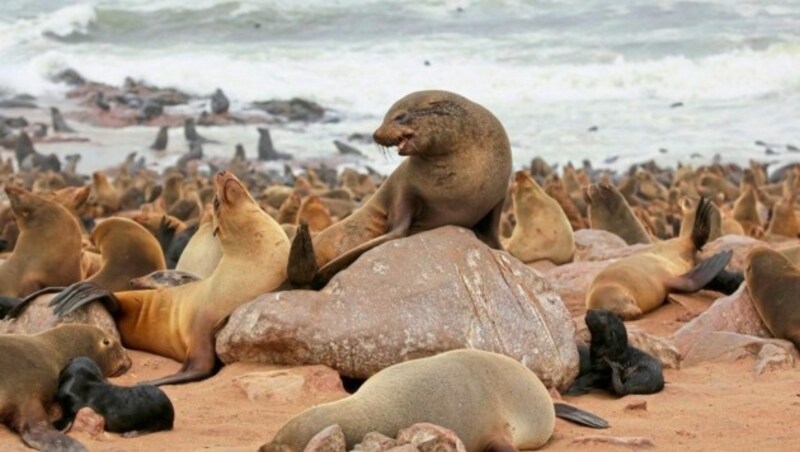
x: 490, y: 401
x: 180, y: 322
x: 457, y: 173
x: 639, y: 283
x: 773, y: 283
x: 29, y: 369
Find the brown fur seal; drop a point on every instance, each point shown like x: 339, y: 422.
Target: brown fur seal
x: 773, y: 283
x: 784, y: 219
x: 745, y: 210
x: 609, y: 211
x: 181, y: 322
x: 639, y: 283
x: 542, y: 230
x: 490, y: 401
x: 48, y: 250
x: 456, y: 173
x: 314, y: 214
x: 29, y: 369
x: 203, y: 252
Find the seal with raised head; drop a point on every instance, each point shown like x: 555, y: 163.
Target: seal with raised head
x: 542, y: 230
x: 29, y: 369
x: 609, y: 211
x: 48, y: 249
x: 773, y: 283
x: 639, y: 283
x: 181, y: 322
x: 140, y: 409
x: 613, y: 364
x: 457, y: 173
x: 490, y: 401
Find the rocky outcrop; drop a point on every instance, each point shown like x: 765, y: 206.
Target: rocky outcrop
x: 435, y: 291
x: 39, y: 317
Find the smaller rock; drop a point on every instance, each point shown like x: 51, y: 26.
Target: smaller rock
x: 740, y: 244
x: 288, y: 385
x: 404, y: 448
x: 70, y: 77
x: 772, y: 357
x: 88, y: 421
x: 330, y: 439
x: 38, y: 317
x: 589, y: 241
x: 628, y: 441
x: 429, y: 437
x: 375, y: 442
x: 636, y: 405
x: 723, y: 345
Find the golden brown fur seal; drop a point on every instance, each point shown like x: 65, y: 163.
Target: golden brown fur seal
x: 314, y: 214
x: 203, y: 252
x: 29, y: 369
x: 773, y: 283
x: 490, y: 401
x: 542, y: 230
x: 180, y: 322
x: 609, y: 211
x: 639, y: 283
x: 48, y: 250
x: 746, y: 212
x: 456, y: 173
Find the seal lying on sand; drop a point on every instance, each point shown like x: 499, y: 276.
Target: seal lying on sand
x: 613, y: 365
x: 490, y: 401
x: 457, y: 173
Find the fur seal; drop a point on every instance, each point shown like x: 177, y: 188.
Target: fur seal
x: 181, y: 322
x: 457, y: 173
x: 609, y: 211
x: 219, y: 103
x: 490, y: 401
x: 190, y: 132
x: 29, y: 368
x: 266, y: 151
x: 314, y: 213
x: 141, y: 409
x: 639, y: 283
x: 613, y: 364
x: 773, y: 283
x: 203, y: 251
x: 59, y: 125
x: 542, y: 230
x: 162, y: 138
x: 48, y: 249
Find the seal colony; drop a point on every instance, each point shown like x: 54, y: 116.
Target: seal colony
x: 171, y: 256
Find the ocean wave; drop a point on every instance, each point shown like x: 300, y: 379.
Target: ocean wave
x: 67, y: 21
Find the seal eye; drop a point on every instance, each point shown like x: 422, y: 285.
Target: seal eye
x: 106, y: 342
x: 402, y: 118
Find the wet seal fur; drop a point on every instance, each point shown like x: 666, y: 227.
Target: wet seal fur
x: 181, y: 322
x: 29, y: 369
x: 457, y: 173
x: 774, y: 284
x: 490, y: 401
x: 612, y: 364
x: 139, y: 409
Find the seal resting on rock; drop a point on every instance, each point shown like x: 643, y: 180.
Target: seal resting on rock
x: 613, y: 365
x: 490, y: 401
x: 29, y: 369
x: 774, y: 284
x: 140, y: 409
x: 457, y: 173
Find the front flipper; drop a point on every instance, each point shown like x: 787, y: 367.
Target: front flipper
x: 201, y: 361
x: 302, y: 266
x: 80, y: 294
x: 37, y: 433
x: 488, y: 228
x: 21, y: 305
x: 700, y: 275
x: 579, y: 416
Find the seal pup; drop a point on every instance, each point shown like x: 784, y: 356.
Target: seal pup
x: 542, y: 230
x: 162, y: 138
x: 181, y: 322
x: 48, y: 249
x: 29, y: 369
x: 219, y: 103
x: 490, y: 401
x: 457, y: 173
x: 613, y: 364
x: 59, y: 125
x: 266, y: 151
x: 609, y: 211
x: 773, y: 283
x: 137, y: 409
x: 639, y: 283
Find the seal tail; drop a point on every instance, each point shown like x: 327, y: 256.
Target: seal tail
x: 302, y: 267
x: 702, y: 223
x: 579, y: 416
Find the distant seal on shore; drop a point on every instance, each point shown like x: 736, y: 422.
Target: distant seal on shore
x: 613, y: 364
x: 639, y: 283
x: 29, y: 369
x: 162, y: 138
x: 140, y: 409
x: 609, y: 211
x: 181, y: 322
x: 774, y: 284
x: 542, y: 230
x: 490, y: 401
x: 457, y: 173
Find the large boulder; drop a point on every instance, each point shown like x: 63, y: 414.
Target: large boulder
x: 411, y: 298
x: 741, y: 246
x: 590, y: 243
x: 39, y: 317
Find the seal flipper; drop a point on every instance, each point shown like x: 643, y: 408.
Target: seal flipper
x: 701, y: 228
x: 201, y: 362
x: 80, y: 294
x: 165, y: 234
x: 22, y: 305
x: 37, y: 433
x: 302, y: 266
x: 488, y: 228
x: 579, y: 416
x: 499, y: 445
x: 702, y: 274
x: 726, y: 282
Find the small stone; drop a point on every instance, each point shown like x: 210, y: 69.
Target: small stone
x: 629, y: 441
x: 88, y: 421
x: 375, y: 442
x: 330, y: 439
x: 637, y: 405
x: 429, y: 438
x: 772, y: 357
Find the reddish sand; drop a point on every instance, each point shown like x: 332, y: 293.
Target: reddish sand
x: 714, y: 406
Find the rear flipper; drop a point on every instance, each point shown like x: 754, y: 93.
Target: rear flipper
x: 578, y: 416
x: 41, y: 436
x: 80, y: 294
x: 726, y: 282
x: 702, y: 274
x: 302, y: 266
x: 584, y: 383
x: 644, y: 377
x: 701, y: 228
x: 19, y: 306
